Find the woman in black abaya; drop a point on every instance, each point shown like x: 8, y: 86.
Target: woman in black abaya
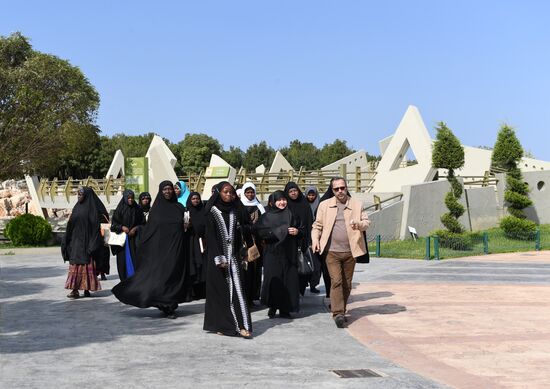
x: 226, y: 311
x: 197, y: 255
x: 127, y: 217
x: 83, y: 244
x: 160, y: 279
x: 280, y: 232
x: 300, y: 208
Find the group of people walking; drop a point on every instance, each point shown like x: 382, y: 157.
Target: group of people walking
x: 231, y: 250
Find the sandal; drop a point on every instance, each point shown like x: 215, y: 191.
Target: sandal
x: 74, y: 294
x: 245, y: 334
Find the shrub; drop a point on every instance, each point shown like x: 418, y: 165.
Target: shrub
x: 517, y: 228
x: 28, y: 230
x: 457, y: 241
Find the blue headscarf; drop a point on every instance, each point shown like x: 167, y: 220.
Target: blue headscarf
x: 184, y: 194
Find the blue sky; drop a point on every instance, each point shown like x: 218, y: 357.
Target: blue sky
x: 247, y: 71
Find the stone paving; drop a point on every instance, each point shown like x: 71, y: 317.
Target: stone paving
x: 480, y: 322
x: 49, y: 341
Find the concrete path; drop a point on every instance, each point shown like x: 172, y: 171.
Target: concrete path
x: 480, y: 322
x: 49, y: 341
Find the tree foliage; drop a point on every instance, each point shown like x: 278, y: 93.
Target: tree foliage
x: 195, y: 150
x: 258, y: 154
x: 234, y: 156
x: 48, y: 110
x: 507, y: 153
x: 332, y: 152
x: 448, y: 153
x: 300, y: 154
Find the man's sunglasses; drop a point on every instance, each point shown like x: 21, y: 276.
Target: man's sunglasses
x: 339, y: 188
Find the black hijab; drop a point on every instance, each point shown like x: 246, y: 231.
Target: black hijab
x: 128, y: 215
x: 163, y: 211
x: 196, y: 212
x: 300, y: 208
x: 83, y: 237
x: 142, y: 196
x: 275, y: 219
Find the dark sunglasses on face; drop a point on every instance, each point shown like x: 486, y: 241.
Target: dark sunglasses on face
x: 339, y: 188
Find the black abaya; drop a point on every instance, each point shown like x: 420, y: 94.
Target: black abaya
x: 83, y: 241
x: 160, y: 280
x: 130, y: 217
x: 226, y: 310
x: 280, y: 288
x: 197, y: 257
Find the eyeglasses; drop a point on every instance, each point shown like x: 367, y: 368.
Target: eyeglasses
x: 339, y: 188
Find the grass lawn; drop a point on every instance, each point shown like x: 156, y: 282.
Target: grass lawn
x: 497, y: 243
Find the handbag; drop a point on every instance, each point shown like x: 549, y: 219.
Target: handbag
x: 253, y: 253
x: 365, y: 258
x: 305, y: 262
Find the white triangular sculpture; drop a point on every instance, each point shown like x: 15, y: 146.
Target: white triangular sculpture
x: 217, y: 161
x: 411, y: 133
x: 260, y: 169
x: 161, y: 162
x: 117, y: 165
x: 280, y: 164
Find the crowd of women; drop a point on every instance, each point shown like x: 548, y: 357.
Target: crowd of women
x: 231, y: 251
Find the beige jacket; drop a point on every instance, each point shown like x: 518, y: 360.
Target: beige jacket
x: 326, y: 216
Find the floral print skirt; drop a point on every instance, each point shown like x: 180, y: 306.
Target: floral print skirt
x: 82, y: 277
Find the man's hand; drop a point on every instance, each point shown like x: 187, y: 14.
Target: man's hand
x: 315, y: 247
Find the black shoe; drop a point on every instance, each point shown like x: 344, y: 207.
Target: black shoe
x: 285, y: 315
x: 313, y: 289
x: 103, y: 277
x: 87, y: 293
x: 340, y: 320
x: 171, y: 315
x: 271, y: 312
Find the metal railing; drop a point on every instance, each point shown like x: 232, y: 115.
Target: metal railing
x: 66, y: 188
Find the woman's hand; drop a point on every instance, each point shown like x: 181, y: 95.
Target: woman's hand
x: 132, y: 231
x: 223, y: 265
x: 292, y: 230
x: 125, y: 229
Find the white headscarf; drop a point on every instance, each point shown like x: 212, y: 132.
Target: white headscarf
x: 254, y: 201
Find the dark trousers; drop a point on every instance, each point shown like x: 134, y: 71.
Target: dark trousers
x: 325, y: 273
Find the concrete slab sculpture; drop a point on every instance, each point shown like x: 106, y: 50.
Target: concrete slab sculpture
x: 280, y: 164
x: 218, y: 170
x: 161, y: 164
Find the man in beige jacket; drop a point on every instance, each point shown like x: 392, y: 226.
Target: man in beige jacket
x: 337, y: 232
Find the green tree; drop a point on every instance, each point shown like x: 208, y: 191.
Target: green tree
x: 332, y: 152
x: 257, y: 154
x: 448, y: 154
x: 234, y: 156
x: 48, y: 110
x: 506, y: 155
x: 195, y: 151
x: 300, y: 154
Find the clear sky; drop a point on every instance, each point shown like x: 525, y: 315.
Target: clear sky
x: 247, y: 71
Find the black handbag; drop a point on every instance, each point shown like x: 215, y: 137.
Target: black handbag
x: 365, y: 258
x: 305, y: 262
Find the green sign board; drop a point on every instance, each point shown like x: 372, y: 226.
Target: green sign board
x: 217, y: 172
x: 136, y: 174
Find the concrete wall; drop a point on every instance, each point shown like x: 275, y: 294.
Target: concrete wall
x: 539, y: 186
x: 482, y: 207
x: 386, y: 222
x: 423, y: 205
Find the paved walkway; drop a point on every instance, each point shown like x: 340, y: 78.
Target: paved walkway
x: 48, y: 341
x: 480, y: 322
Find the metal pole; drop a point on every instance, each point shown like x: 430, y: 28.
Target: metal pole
x: 485, y: 243
x: 378, y: 246
x: 436, y: 247
x: 428, y: 256
x: 537, y: 240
